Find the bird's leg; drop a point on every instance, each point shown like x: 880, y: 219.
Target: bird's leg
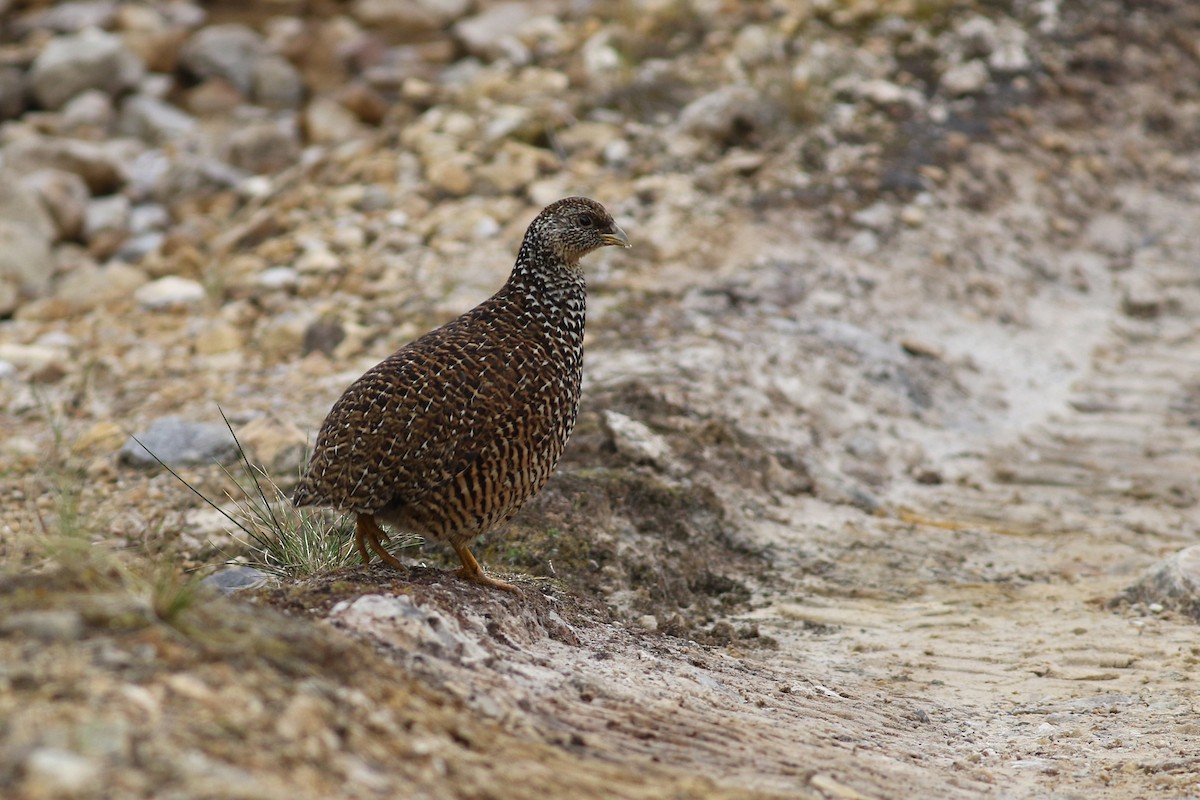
x: 474, y: 573
x: 368, y: 528
x: 360, y: 534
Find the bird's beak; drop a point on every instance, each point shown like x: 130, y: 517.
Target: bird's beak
x: 615, y: 237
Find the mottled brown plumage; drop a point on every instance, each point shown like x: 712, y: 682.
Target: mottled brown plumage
x: 450, y: 435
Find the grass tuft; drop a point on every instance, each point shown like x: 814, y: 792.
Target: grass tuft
x: 283, y: 541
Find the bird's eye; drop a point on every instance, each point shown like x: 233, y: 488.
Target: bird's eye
x: 585, y: 220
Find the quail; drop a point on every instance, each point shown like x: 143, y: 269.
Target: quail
x: 450, y: 435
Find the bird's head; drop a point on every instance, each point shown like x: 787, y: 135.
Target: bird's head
x: 574, y: 227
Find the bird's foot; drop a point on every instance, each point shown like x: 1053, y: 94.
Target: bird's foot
x: 471, y: 571
x: 366, y: 529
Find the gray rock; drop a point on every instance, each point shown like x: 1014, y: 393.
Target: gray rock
x: 224, y: 51
x: 1172, y: 583
x: 73, y: 17
x: 148, y: 217
x: 64, y: 195
x: 235, y: 579
x: 91, y: 59
x: 12, y: 93
x: 635, y: 441
x: 106, y: 216
x: 178, y: 442
x: 101, y: 165
x: 968, y: 77
x: 408, y: 19
x: 169, y: 292
x: 328, y: 121
x: 21, y: 205
x: 88, y: 113
x: 263, y: 147
x: 135, y: 248
x: 275, y: 83
x: 154, y: 121
x: 492, y: 33
x: 726, y: 114
x: 187, y: 174
x: 26, y: 233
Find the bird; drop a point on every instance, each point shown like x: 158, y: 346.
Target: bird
x: 449, y: 436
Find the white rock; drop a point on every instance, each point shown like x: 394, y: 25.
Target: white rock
x: 634, y: 440
x: 169, y: 292
x: 965, y: 78
x: 50, y: 772
x: 106, y: 214
x: 91, y: 59
x: 224, y: 51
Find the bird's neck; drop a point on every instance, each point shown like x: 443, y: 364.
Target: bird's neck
x: 548, y: 290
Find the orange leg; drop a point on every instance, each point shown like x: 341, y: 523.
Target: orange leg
x: 474, y: 573
x: 366, y: 529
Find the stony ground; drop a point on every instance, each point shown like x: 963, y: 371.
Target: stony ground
x: 885, y: 480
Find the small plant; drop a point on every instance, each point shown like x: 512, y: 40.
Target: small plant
x: 284, y: 541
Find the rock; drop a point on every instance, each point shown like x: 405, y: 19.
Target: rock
x: 169, y: 292
x: 408, y: 19
x: 280, y: 447
x: 33, y: 357
x: 363, y: 102
x: 26, y: 261
x: 178, y: 442
x: 10, y: 300
x: 72, y: 17
x: 153, y: 121
x: 1141, y: 296
x: 635, y: 441
x: 235, y: 579
x: 1172, y: 583
x: 282, y: 336
x: 51, y: 772
x: 148, y: 217
x: 213, y: 97
x: 514, y: 167
x: 263, y: 147
x: 91, y: 59
x: 327, y: 121
x: 88, y: 114
x: 134, y: 248
x: 51, y: 625
x: 968, y: 77
x: 230, y: 52
x: 493, y: 33
x: 188, y: 174
x: 729, y: 114
x: 277, y: 278
x: 275, y: 83
x: 101, y: 166
x: 757, y: 44
x: 218, y: 337
x: 323, y: 335
x: 451, y: 175
x: 12, y: 93
x: 106, y: 217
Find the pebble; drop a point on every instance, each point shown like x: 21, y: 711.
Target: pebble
x: 229, y: 52
x: 263, y: 147
x: 89, y: 287
x: 275, y: 83
x: 968, y: 77
x: 51, y: 772
x: 179, y: 442
x: 106, y: 215
x: 154, y: 121
x: 493, y: 33
x: 101, y: 165
x: 168, y: 292
x: 235, y: 579
x: 327, y: 121
x: 87, y: 115
x: 91, y: 59
x: 408, y: 19
x: 725, y: 114
x: 26, y: 262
